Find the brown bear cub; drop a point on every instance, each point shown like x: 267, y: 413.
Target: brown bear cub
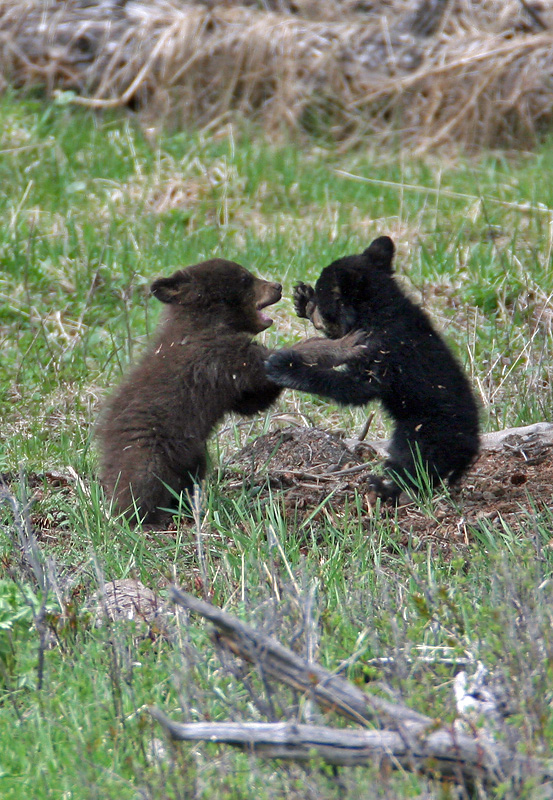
x: 201, y: 365
x: 405, y: 364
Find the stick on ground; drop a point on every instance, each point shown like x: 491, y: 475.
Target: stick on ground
x: 409, y: 740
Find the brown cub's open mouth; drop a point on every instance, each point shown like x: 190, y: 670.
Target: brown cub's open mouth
x: 264, y: 319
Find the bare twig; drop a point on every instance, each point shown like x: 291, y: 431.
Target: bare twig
x: 523, y: 207
x: 322, y: 476
x: 362, y: 435
x: 196, y: 504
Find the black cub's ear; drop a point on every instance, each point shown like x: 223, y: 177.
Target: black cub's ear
x: 170, y: 290
x: 380, y: 254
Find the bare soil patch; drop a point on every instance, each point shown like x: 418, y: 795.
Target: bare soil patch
x: 320, y: 474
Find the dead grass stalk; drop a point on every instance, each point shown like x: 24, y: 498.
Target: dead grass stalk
x: 476, y: 73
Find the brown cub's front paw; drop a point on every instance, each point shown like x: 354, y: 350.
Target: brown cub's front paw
x: 304, y: 304
x: 327, y: 353
x: 352, y: 346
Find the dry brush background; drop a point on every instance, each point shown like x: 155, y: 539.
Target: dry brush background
x: 424, y: 72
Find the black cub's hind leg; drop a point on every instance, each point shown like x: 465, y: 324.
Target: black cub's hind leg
x: 385, y: 489
x: 390, y: 490
x: 410, y: 468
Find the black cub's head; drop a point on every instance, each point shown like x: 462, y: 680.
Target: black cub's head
x: 345, y: 288
x: 219, y: 292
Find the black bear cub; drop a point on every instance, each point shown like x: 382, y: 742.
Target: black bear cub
x: 405, y: 364
x: 201, y: 365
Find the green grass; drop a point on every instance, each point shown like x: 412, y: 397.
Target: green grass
x: 92, y: 211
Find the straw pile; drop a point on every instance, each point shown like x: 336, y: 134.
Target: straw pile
x: 476, y: 72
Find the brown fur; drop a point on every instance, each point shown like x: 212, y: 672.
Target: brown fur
x: 325, y: 353
x: 201, y: 365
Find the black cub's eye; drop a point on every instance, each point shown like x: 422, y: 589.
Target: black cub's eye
x: 246, y: 279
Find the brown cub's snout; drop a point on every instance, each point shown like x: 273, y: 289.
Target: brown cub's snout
x: 266, y: 293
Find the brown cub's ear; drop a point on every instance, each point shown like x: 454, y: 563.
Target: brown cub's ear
x: 170, y: 290
x: 380, y: 254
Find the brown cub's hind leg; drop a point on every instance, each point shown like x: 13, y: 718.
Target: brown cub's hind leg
x: 142, y: 490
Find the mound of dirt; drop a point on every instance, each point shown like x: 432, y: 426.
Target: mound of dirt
x: 320, y: 475
x: 293, y: 453
x: 305, y: 465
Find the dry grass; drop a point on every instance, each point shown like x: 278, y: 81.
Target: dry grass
x: 477, y: 73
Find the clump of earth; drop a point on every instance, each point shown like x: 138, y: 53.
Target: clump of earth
x: 322, y: 474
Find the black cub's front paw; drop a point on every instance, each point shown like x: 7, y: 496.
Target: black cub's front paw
x: 304, y: 303
x: 277, y: 367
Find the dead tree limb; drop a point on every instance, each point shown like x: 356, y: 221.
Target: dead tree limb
x: 440, y: 753
x: 412, y: 740
x: 279, y: 662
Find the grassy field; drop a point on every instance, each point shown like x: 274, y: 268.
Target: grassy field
x: 93, y: 209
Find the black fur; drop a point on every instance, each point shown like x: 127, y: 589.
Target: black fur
x: 405, y: 364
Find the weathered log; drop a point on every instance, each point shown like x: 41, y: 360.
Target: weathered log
x: 439, y: 753
x: 537, y: 433
x: 279, y: 662
x: 414, y: 741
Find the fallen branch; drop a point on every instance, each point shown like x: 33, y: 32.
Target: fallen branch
x: 276, y: 661
x: 321, y: 476
x: 537, y: 433
x: 441, y: 753
x: 415, y: 741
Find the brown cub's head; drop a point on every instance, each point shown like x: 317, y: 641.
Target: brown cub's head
x: 219, y: 291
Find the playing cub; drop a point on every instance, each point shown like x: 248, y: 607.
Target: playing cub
x: 405, y: 364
